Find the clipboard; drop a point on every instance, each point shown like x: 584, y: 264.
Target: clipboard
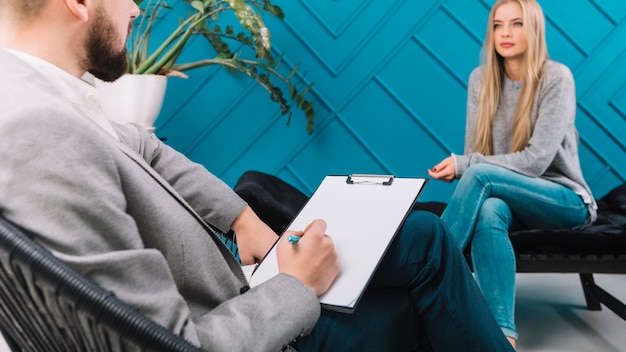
x: 363, y: 213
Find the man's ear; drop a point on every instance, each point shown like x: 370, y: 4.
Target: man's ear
x: 79, y: 8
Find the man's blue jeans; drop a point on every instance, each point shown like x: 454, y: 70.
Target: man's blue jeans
x: 422, y: 291
x: 488, y: 202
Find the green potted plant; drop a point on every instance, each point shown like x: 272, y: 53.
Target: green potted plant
x: 205, y: 19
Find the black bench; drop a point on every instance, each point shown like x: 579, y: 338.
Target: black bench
x: 599, y: 248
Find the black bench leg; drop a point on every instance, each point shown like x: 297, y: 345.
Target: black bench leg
x: 593, y: 303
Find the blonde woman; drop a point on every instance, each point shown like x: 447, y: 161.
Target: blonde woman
x: 520, y: 168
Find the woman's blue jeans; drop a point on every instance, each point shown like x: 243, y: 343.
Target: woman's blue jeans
x: 423, y: 291
x: 488, y: 202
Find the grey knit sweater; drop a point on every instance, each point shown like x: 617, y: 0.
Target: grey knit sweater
x: 552, y: 152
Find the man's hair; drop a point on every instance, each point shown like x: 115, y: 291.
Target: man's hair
x: 23, y: 9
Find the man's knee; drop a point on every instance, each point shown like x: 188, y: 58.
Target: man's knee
x: 423, y: 219
x: 425, y: 227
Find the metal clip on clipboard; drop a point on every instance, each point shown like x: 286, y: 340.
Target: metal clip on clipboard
x: 366, y: 179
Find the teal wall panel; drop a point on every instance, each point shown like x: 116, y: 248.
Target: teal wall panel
x: 390, y: 91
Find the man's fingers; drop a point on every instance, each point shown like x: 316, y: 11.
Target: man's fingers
x: 316, y: 226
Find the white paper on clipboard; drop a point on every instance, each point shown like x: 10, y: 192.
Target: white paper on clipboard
x: 363, y: 214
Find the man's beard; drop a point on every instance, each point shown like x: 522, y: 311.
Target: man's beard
x: 102, y: 60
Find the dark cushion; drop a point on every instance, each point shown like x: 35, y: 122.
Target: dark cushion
x: 607, y: 235
x: 277, y: 203
x: 615, y: 201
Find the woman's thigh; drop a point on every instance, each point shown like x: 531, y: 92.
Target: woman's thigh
x: 534, y: 202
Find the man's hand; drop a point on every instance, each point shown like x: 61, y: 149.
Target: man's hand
x: 254, y: 237
x: 445, y: 170
x: 312, y: 259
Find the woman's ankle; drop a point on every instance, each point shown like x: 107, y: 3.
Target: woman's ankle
x: 512, y: 341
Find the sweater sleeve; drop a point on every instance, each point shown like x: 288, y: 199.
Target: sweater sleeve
x: 555, y: 106
x: 473, y: 92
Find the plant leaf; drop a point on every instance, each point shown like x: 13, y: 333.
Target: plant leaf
x: 198, y: 5
x: 250, y: 37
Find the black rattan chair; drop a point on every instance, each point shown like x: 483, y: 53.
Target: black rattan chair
x: 47, y: 306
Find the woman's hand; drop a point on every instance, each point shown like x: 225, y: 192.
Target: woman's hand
x: 445, y: 170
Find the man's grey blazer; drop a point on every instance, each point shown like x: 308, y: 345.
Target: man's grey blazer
x: 132, y: 216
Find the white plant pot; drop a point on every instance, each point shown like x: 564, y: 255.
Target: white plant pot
x: 133, y: 98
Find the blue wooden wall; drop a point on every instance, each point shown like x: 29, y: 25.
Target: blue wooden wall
x: 390, y: 91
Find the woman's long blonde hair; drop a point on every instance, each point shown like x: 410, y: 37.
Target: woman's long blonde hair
x: 491, y: 86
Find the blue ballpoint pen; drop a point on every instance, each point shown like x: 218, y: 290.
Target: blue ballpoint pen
x: 293, y: 239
